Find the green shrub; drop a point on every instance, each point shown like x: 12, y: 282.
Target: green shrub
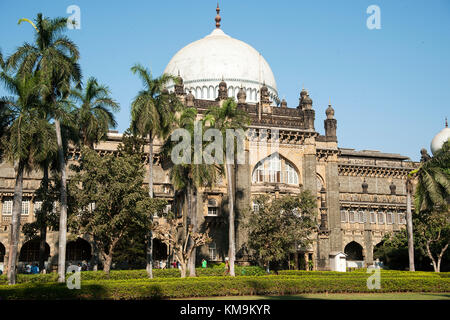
x: 134, y: 274
x: 218, y: 286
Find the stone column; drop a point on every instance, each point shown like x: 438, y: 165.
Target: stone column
x: 334, y: 220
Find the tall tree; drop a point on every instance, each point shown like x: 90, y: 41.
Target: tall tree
x: 280, y: 225
x: 431, y: 197
x: 409, y: 223
x: 19, y: 143
x: 94, y: 117
x: 46, y: 161
x: 111, y: 203
x: 55, y: 56
x: 229, y: 117
x: 152, y: 116
x: 189, y: 177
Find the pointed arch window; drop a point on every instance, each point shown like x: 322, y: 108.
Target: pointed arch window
x: 291, y: 174
x: 274, y: 168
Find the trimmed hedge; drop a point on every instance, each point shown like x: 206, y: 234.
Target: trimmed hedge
x: 134, y: 274
x: 218, y: 286
x: 363, y: 273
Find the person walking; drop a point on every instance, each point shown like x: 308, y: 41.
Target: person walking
x: 204, y: 263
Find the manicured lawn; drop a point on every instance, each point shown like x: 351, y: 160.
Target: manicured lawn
x: 341, y: 296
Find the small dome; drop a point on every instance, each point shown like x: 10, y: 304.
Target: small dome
x: 307, y: 99
x: 329, y: 112
x: 303, y: 93
x: 439, y: 139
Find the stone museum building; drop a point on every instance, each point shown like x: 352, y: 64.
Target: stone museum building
x: 361, y: 195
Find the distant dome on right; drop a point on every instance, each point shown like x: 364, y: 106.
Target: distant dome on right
x: 439, y: 139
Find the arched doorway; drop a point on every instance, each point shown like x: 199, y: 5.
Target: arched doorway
x: 78, y: 250
x: 2, y: 252
x: 2, y: 257
x: 159, y: 250
x: 160, y: 254
x: 30, y: 252
x: 354, y: 251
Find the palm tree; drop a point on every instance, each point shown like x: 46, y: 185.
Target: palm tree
x: 225, y: 117
x: 55, y: 57
x: 19, y: 143
x: 152, y: 116
x: 432, y: 190
x: 409, y: 226
x: 433, y: 182
x: 189, y: 178
x: 46, y: 161
x: 95, y: 115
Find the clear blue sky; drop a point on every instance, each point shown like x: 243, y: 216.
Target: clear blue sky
x: 390, y: 88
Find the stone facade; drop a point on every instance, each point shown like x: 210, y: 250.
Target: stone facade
x: 360, y: 194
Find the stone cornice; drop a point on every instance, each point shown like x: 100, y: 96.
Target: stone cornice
x: 357, y: 170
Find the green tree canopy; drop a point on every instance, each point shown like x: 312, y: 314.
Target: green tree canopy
x: 109, y: 200
x: 277, y: 226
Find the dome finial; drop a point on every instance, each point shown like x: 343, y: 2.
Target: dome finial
x: 218, y: 18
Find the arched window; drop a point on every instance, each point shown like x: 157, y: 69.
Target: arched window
x: 274, y: 168
x: 258, y: 173
x: 291, y: 174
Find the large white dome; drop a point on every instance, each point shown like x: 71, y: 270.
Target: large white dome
x: 439, y: 139
x: 204, y: 63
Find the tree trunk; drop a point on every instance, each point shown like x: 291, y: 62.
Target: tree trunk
x: 231, y: 235
x: 183, y: 269
x: 409, y: 225
x: 15, y: 225
x: 149, y: 249
x: 108, y: 263
x: 194, y: 229
x: 430, y: 255
x: 43, y: 221
x: 440, y: 257
x: 63, y: 212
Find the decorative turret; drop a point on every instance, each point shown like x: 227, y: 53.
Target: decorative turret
x: 242, y: 96
x: 424, y: 155
x: 265, y: 99
x: 179, y: 85
x: 223, y: 92
x: 305, y: 100
x: 330, y: 124
x: 306, y: 106
x: 303, y: 94
x: 190, y: 99
x: 283, y: 103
